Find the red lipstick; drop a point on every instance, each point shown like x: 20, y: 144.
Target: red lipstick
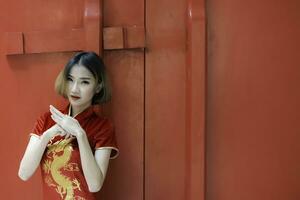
x: 75, y: 97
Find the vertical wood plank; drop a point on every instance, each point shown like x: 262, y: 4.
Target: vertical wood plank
x: 175, y: 100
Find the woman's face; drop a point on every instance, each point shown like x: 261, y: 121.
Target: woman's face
x: 81, y: 87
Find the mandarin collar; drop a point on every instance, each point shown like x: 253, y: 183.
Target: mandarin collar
x: 83, y: 114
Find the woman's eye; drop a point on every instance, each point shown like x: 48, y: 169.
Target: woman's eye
x: 85, y: 82
x: 69, y: 79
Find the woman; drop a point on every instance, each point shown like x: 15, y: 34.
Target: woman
x: 74, y: 145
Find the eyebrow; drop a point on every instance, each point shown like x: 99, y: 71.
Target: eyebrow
x: 83, y: 78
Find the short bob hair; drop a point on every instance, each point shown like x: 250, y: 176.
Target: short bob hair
x: 95, y: 65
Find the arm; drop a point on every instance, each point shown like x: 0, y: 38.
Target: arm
x: 34, y: 152
x: 94, y: 167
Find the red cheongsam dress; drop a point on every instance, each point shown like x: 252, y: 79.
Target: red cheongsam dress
x: 61, y: 166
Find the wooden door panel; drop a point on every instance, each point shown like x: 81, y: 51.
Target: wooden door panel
x: 125, y: 178
x: 166, y: 148
x: 126, y: 175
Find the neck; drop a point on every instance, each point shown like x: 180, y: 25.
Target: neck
x: 77, y: 110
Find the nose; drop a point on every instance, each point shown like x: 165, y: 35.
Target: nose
x: 74, y: 88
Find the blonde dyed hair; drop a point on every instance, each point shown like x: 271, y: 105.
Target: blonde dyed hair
x: 95, y: 65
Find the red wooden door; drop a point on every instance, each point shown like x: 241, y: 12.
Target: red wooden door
x: 158, y: 94
x: 253, y: 100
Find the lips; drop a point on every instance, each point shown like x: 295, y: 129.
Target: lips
x: 75, y: 97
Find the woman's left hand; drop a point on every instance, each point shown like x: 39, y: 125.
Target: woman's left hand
x: 69, y: 124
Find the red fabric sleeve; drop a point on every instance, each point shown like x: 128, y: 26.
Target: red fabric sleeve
x: 39, y: 126
x: 105, y: 138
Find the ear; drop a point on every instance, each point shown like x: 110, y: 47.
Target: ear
x: 99, y: 87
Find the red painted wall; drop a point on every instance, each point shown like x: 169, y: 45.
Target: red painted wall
x: 253, y: 100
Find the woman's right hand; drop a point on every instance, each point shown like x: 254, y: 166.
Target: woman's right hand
x: 54, y: 131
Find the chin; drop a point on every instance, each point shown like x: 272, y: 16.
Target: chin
x: 77, y: 104
x: 74, y: 103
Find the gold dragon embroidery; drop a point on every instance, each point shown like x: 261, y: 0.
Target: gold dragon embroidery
x: 59, y: 154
